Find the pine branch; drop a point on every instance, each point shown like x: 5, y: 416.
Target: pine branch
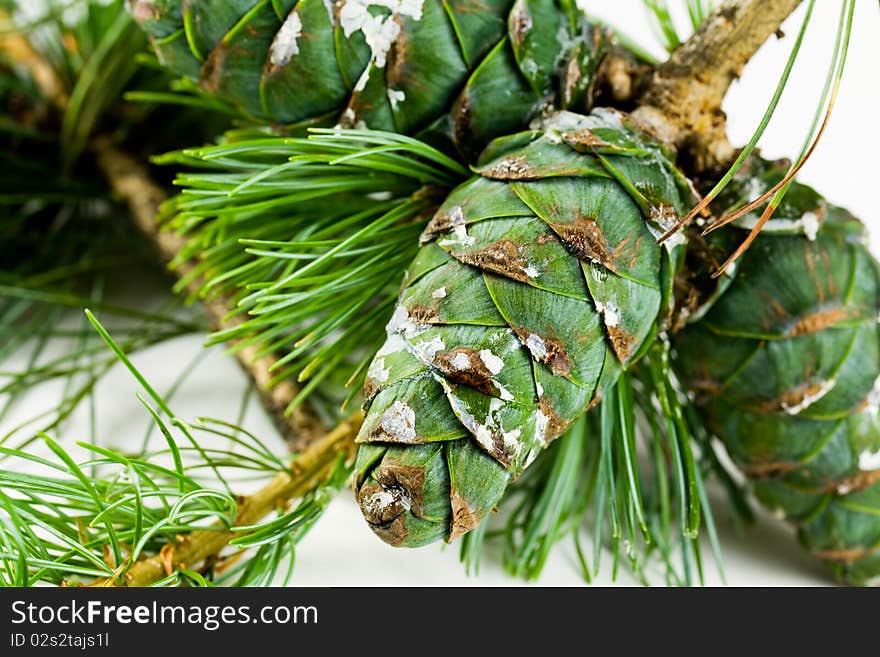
x: 309, y: 468
x: 131, y: 180
x: 682, y: 99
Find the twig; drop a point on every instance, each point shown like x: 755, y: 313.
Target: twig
x: 131, y: 180
x: 682, y: 99
x: 309, y: 468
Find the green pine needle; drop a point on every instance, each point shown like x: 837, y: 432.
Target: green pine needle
x: 646, y: 510
x: 310, y: 237
x: 768, y: 113
x: 663, y: 23
x: 64, y: 520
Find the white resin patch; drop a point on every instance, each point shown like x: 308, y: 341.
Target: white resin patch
x: 439, y: 293
x: 872, y: 401
x: 609, y: 311
x: 460, y: 361
x: 361, y: 84
x: 612, y: 118
x: 399, y: 318
x: 512, y: 441
x: 536, y: 346
x: 869, y: 460
x: 666, y: 217
x: 755, y: 188
x: 552, y: 134
x: 401, y: 323
x: 541, y: 423
x: 461, y: 237
x: 486, y: 434
x: 503, y: 392
x: 456, y: 217
x: 562, y: 121
x: 380, y: 31
x: 394, y: 344
x: 284, y: 45
x: 347, y: 117
x: 395, y: 96
x: 677, y: 238
x: 809, y: 400
x: 328, y: 5
x: 612, y: 316
x: 810, y: 225
x: 599, y: 273
x: 378, y: 502
x: 533, y: 454
x: 531, y: 271
x: 378, y: 372
x: 484, y: 437
x: 492, y: 362
x: 427, y: 349
x: 399, y: 421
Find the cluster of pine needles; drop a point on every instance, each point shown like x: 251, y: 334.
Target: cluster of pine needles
x: 305, y: 237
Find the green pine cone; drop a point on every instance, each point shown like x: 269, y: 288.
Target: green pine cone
x: 458, y: 70
x: 537, y: 282
x: 785, y: 363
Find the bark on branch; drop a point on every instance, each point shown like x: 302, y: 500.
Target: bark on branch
x: 19, y: 49
x: 682, y: 99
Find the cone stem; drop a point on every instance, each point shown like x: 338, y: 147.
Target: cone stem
x: 683, y: 96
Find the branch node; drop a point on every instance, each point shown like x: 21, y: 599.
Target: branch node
x: 682, y: 100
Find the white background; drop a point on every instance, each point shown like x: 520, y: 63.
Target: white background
x: 341, y: 550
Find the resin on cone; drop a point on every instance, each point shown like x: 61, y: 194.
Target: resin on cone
x: 537, y: 282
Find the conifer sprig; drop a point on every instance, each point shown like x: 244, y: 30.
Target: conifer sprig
x: 319, y: 266
x: 62, y: 247
x: 641, y: 494
x: 60, y: 525
x: 309, y: 236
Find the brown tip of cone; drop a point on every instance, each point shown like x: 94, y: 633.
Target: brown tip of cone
x: 464, y: 517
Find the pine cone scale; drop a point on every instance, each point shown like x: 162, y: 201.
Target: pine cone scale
x: 785, y: 364
x: 458, y: 73
x: 561, y: 327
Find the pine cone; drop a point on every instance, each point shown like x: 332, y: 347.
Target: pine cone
x: 461, y: 70
x: 538, y: 281
x: 785, y: 363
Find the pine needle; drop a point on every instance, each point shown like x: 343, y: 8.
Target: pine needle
x: 310, y: 237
